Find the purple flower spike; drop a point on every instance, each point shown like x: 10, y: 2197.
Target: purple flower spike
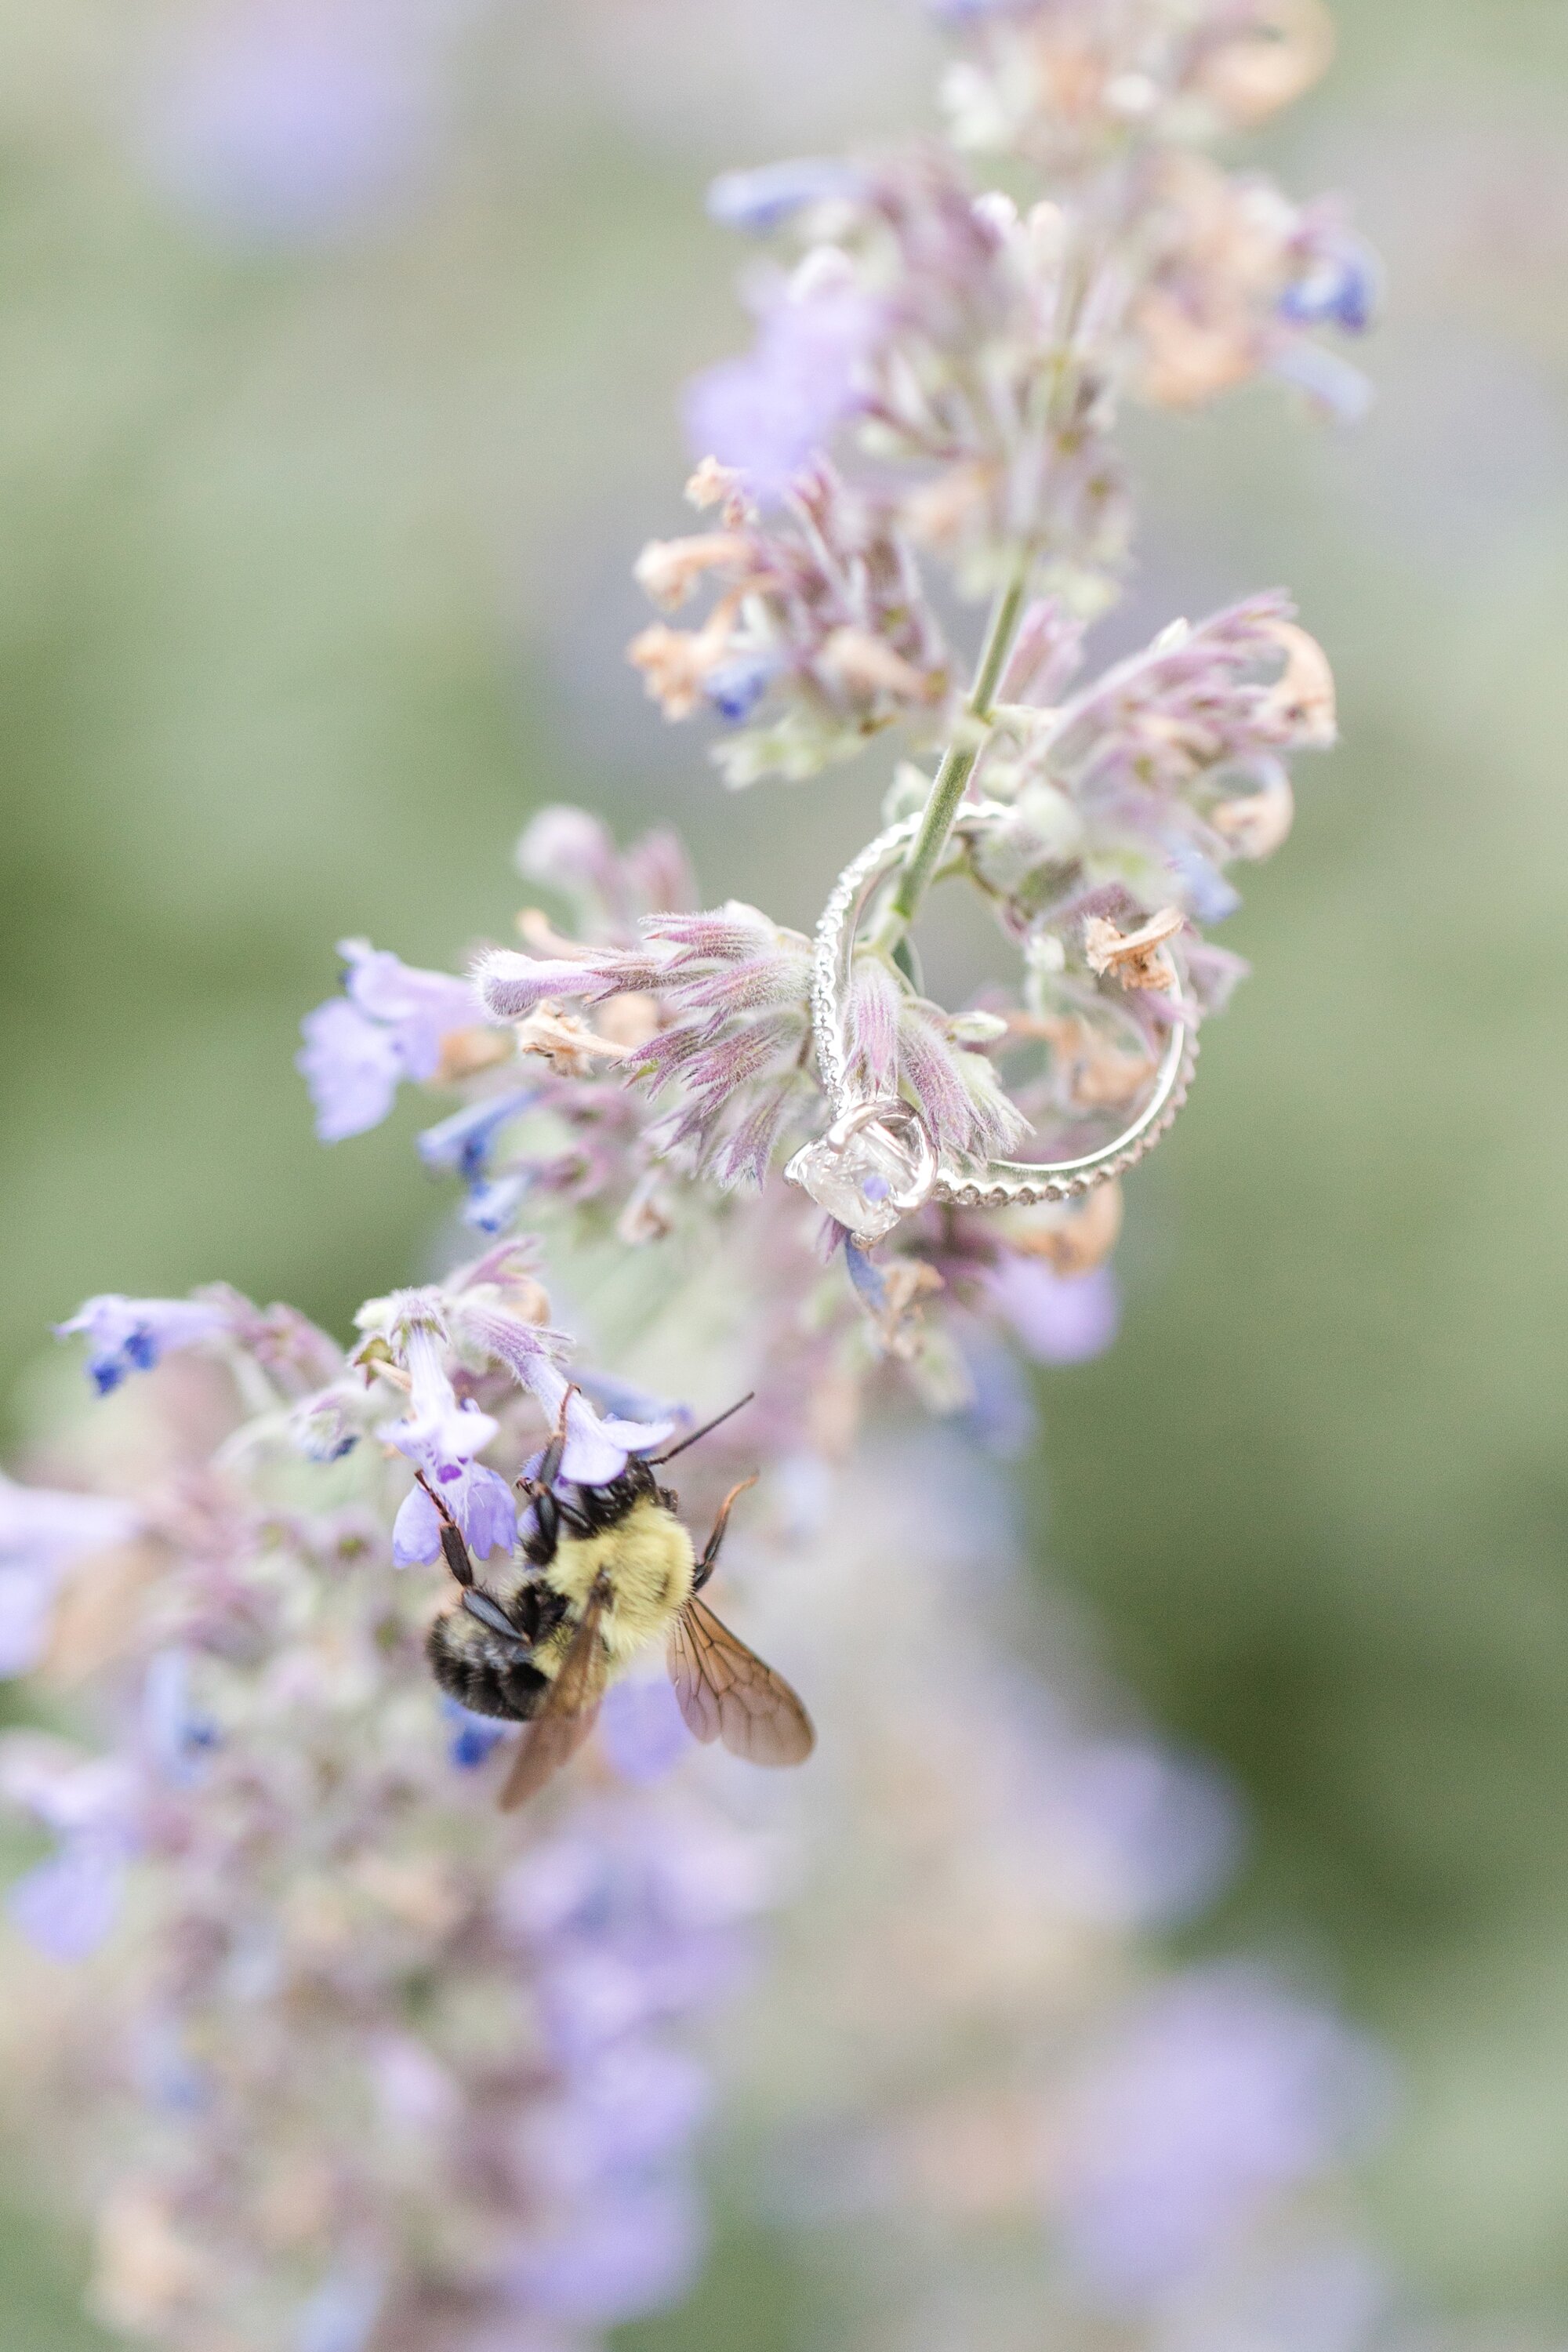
x: 130, y: 1335
x: 1060, y: 1318
x: 769, y: 412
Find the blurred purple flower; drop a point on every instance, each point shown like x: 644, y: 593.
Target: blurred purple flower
x: 642, y: 1730
x: 341, y: 2314
x: 633, y: 2251
x: 473, y: 1736
x: 1059, y: 1318
x: 352, y: 1066
x: 291, y: 120
x: 67, y: 1905
x: 388, y: 1026
x: 178, y: 1736
x: 460, y: 1145
x: 130, y: 1335
x: 632, y: 2105
x: 1150, y: 1837
x: 1223, y: 2091
x: 768, y: 413
x: 759, y: 201
x: 41, y: 1533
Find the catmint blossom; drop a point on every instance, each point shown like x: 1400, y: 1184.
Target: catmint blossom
x: 131, y: 1335
x: 393, y: 1022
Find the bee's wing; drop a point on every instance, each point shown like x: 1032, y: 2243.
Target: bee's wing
x: 726, y: 1692
x: 566, y: 1713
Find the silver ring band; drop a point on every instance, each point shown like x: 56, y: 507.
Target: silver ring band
x: 991, y: 1183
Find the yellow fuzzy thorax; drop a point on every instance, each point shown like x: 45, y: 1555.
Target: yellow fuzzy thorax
x: 647, y: 1559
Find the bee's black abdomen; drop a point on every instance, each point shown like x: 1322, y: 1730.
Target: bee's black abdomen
x: 481, y: 1681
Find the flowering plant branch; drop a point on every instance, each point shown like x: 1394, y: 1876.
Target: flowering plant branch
x: 382, y: 2073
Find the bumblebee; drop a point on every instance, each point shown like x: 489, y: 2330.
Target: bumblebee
x: 606, y: 1572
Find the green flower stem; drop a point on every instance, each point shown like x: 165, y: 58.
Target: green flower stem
x: 957, y: 766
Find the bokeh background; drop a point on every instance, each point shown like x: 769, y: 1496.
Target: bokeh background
x: 338, y: 346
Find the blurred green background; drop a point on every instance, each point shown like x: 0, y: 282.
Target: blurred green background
x: 314, y: 534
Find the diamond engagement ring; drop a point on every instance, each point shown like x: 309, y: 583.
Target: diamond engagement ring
x: 876, y: 1163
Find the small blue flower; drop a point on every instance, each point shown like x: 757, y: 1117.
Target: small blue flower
x: 1207, y: 896
x: 130, y: 1335
x: 480, y: 1500
x: 1339, y: 288
x: 760, y: 201
x: 736, y: 687
x: 460, y: 1145
x: 491, y: 1207
x: 180, y: 1738
x: 473, y: 1736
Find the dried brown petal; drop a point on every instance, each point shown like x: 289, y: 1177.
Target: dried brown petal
x: 1302, y: 698
x: 1137, y: 959
x: 566, y: 1040
x: 1255, y: 824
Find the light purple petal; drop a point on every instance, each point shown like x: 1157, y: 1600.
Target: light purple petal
x: 352, y: 1068
x: 26, y: 1605
x: 420, y: 1008
x: 642, y: 1730
x: 130, y: 1335
x: 1060, y: 1318
x: 67, y: 1905
x: 480, y: 1500
x: 628, y: 2254
x: 42, y: 1527
x: 771, y: 412
x: 415, y: 1531
x: 511, y: 985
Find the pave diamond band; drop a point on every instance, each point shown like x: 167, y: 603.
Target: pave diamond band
x: 876, y: 1160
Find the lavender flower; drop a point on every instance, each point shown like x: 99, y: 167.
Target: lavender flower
x: 131, y: 1335
x: 769, y: 414
x: 392, y: 1024
x: 43, y: 1536
x: 1224, y: 2090
x: 279, y: 121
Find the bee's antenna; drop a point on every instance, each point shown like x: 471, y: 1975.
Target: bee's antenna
x: 657, y: 1460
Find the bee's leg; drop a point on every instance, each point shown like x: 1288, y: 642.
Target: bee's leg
x: 555, y: 1451
x: 710, y: 1559
x: 548, y: 1508
x: 457, y: 1556
x: 494, y: 1619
